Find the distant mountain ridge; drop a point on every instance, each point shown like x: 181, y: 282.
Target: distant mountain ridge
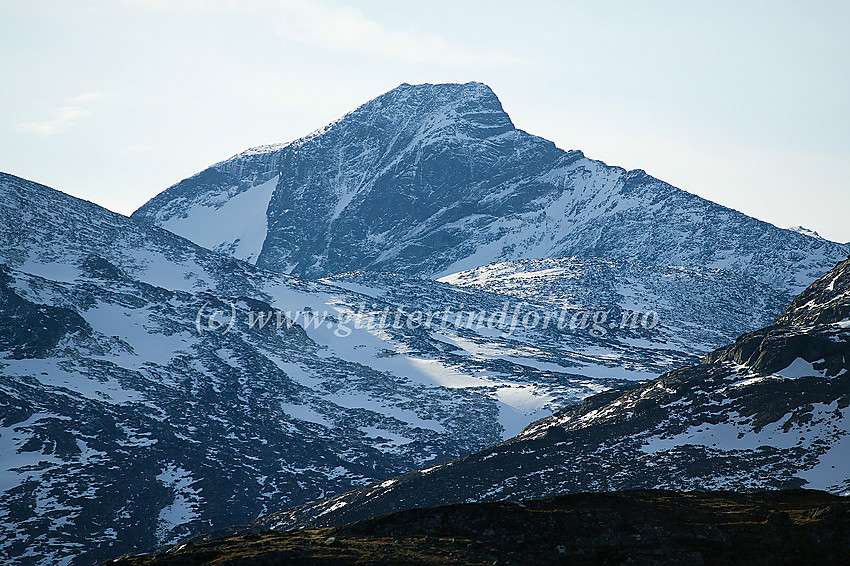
x: 429, y: 179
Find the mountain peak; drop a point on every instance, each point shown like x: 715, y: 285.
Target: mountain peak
x: 471, y: 89
x: 806, y: 231
x: 472, y: 106
x: 432, y: 179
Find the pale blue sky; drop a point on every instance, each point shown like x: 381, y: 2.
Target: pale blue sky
x: 743, y: 103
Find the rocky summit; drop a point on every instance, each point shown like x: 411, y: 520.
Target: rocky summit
x: 430, y: 179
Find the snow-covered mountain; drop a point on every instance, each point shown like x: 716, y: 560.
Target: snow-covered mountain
x: 769, y: 411
x: 132, y: 413
x: 429, y: 180
x: 128, y: 420
x: 122, y: 426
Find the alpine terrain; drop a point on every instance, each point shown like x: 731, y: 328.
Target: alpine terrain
x: 292, y: 331
x: 132, y: 416
x: 429, y: 180
x: 128, y: 419
x: 769, y: 411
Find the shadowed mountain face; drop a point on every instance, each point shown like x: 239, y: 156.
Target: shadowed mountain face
x: 767, y: 412
x: 432, y: 179
x: 814, y: 328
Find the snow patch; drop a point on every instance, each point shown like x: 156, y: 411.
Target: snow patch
x: 237, y: 226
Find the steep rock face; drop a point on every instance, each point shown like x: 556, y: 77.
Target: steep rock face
x: 428, y: 180
x: 29, y: 330
x: 771, y: 411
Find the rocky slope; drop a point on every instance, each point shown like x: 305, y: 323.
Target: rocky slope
x: 633, y: 527
x: 676, y: 295
x: 130, y: 420
x: 767, y: 412
x: 433, y: 179
x: 127, y: 420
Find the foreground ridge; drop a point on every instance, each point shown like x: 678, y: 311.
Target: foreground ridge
x: 634, y: 527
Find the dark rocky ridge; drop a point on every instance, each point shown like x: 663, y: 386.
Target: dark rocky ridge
x: 635, y: 527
